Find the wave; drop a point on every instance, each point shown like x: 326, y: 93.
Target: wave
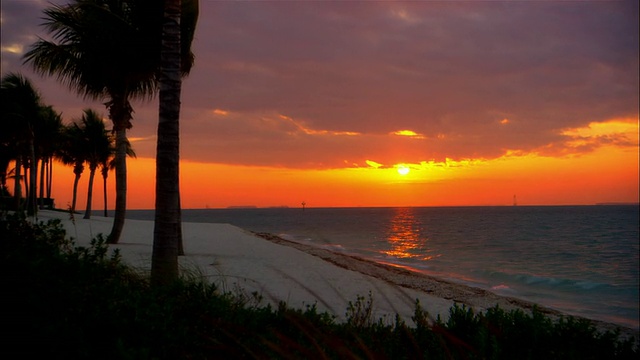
x: 309, y: 241
x: 549, y: 282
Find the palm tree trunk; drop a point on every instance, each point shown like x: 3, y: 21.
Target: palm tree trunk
x: 17, y: 188
x: 75, y: 192
x: 50, y: 181
x: 87, y: 211
x: 105, y: 171
x: 168, y: 228
x: 121, y: 186
x: 33, y: 173
x: 180, y: 245
x: 25, y: 182
x: 43, y: 177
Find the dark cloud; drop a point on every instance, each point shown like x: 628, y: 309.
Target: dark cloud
x: 451, y: 71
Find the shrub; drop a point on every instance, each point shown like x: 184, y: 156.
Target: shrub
x: 64, y: 301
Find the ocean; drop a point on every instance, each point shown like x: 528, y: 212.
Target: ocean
x: 581, y: 260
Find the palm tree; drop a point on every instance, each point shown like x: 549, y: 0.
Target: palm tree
x: 109, y: 50
x: 167, y: 234
x: 5, y: 160
x: 105, y: 167
x: 73, y: 152
x: 20, y: 109
x: 8, y: 136
x: 48, y: 136
x: 98, y: 149
x: 101, y: 49
x: 107, y: 164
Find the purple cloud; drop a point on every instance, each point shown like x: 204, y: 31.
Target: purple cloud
x: 449, y: 71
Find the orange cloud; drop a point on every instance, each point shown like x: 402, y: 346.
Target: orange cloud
x: 220, y: 112
x: 139, y: 138
x: 622, y: 133
x: 607, y: 174
x: 409, y: 133
x: 310, y: 131
x: 13, y: 49
x: 625, y: 130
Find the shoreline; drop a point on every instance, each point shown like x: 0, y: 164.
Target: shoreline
x: 300, y: 275
x: 478, y: 299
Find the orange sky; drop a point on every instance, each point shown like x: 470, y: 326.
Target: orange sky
x: 321, y: 101
x: 608, y: 174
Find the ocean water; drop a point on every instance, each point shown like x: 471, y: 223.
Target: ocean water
x: 582, y: 260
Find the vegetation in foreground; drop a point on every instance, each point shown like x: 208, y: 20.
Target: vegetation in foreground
x: 63, y: 301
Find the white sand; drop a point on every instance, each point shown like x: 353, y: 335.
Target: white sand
x: 300, y: 275
x: 240, y: 261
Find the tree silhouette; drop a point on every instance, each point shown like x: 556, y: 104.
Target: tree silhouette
x: 167, y: 234
x: 107, y: 50
x: 21, y: 111
x: 102, y: 49
x: 48, y: 139
x: 98, y: 149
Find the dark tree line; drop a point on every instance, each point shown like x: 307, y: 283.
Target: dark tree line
x: 34, y: 135
x: 117, y: 51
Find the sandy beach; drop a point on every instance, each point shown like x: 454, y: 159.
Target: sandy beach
x: 301, y: 275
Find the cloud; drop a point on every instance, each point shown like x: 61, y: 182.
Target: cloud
x: 315, y: 84
x: 408, y: 133
x: 373, y: 164
x: 13, y: 49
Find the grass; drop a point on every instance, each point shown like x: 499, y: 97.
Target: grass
x: 63, y: 301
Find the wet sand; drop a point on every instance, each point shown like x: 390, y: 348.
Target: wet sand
x: 476, y: 298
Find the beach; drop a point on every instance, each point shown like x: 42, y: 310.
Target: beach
x: 267, y: 269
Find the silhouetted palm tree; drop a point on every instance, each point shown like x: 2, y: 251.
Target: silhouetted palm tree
x: 12, y: 130
x: 73, y: 152
x: 167, y: 234
x: 48, y: 139
x: 109, y: 50
x: 20, y: 108
x: 107, y: 164
x: 98, y: 149
x: 103, y: 49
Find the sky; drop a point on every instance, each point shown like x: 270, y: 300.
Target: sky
x: 386, y: 103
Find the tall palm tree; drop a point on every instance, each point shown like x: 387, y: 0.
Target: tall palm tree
x: 20, y: 109
x: 167, y: 226
x: 98, y: 149
x: 5, y: 160
x: 73, y: 152
x: 101, y: 50
x: 107, y: 164
x: 49, y: 137
x: 108, y: 50
x: 9, y: 135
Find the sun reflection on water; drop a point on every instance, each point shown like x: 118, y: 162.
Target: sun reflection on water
x: 406, y: 236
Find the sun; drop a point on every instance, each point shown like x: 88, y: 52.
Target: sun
x: 403, y: 169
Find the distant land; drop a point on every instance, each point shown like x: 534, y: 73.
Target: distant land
x: 256, y: 207
x: 619, y: 203
x: 611, y: 203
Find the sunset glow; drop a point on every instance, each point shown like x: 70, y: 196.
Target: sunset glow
x: 385, y: 104
x: 606, y: 175
x: 403, y: 169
